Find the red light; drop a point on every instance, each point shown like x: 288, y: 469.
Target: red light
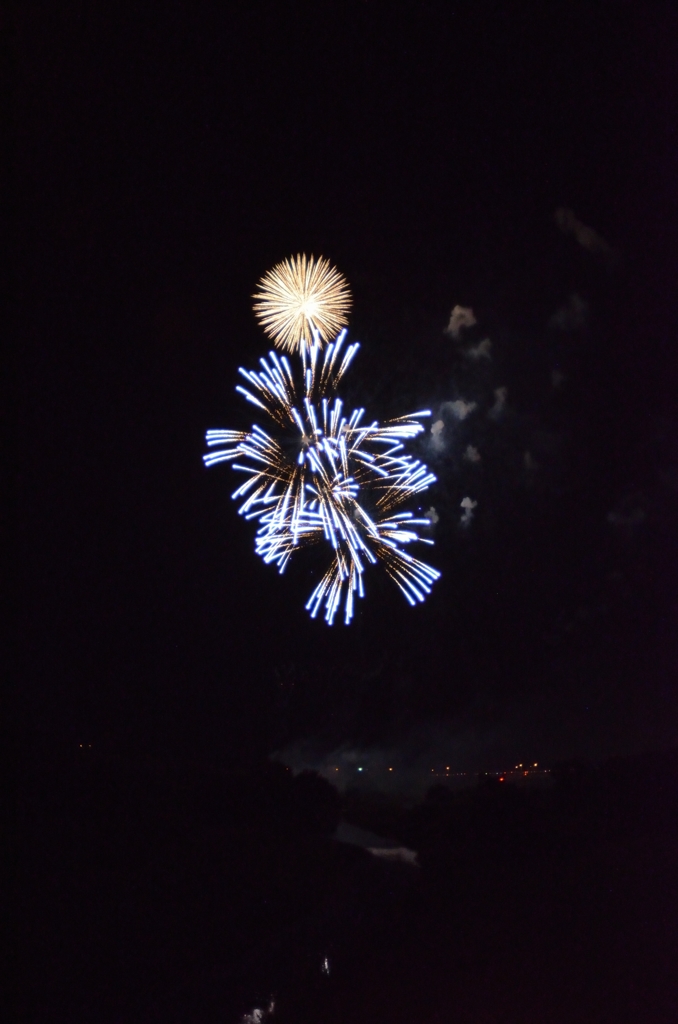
x: 502, y: 779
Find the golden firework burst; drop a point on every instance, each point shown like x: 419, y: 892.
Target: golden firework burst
x: 299, y: 296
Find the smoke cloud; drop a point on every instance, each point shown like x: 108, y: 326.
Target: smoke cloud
x: 460, y: 408
x: 500, y: 396
x: 589, y: 239
x: 572, y: 316
x: 460, y: 317
x: 437, y: 439
x: 480, y: 351
x: 472, y: 454
x: 468, y: 506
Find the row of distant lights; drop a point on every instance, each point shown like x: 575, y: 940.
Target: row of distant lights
x: 447, y: 768
x: 526, y: 770
x: 88, y: 746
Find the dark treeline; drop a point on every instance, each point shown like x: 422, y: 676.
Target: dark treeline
x: 176, y: 892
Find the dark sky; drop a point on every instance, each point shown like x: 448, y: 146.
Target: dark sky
x: 167, y: 156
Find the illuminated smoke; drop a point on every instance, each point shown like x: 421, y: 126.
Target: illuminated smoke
x: 468, y: 506
x: 437, y: 439
x: 589, y: 239
x: 480, y: 351
x: 460, y: 409
x: 572, y: 316
x: 500, y: 397
x: 461, y: 316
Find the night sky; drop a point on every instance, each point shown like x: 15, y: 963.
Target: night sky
x: 167, y: 156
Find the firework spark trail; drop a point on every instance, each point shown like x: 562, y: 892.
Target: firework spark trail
x: 311, y: 480
x: 302, y: 298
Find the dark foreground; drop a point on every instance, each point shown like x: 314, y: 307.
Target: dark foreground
x: 152, y: 894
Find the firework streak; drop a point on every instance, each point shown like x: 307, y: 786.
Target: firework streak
x: 322, y: 476
x: 300, y: 298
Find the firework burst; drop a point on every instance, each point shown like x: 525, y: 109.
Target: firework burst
x: 302, y: 299
x: 322, y: 476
